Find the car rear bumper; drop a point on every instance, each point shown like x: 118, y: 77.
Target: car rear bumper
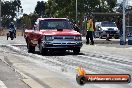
x: 111, y: 34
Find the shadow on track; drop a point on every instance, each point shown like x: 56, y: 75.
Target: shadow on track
x: 57, y: 53
x: 50, y: 53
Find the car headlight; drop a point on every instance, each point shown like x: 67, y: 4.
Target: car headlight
x: 49, y: 38
x: 78, y: 38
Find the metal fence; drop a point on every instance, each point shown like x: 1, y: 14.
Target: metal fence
x: 128, y: 30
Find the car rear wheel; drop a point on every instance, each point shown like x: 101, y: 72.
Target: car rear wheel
x: 76, y: 51
x: 8, y: 35
x: 116, y: 37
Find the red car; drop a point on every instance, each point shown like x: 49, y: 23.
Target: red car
x: 53, y: 34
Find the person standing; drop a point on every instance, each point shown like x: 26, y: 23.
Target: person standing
x: 119, y: 25
x: 94, y: 28
x: 90, y: 31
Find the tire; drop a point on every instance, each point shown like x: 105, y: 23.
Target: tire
x: 7, y: 37
x: 116, y: 37
x: 11, y: 38
x: 76, y: 51
x: 31, y: 49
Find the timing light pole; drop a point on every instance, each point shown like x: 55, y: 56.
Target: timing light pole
x: 0, y: 14
x: 124, y: 21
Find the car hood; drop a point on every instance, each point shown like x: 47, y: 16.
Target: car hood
x: 65, y: 32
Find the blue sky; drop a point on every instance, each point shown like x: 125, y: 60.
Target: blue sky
x: 29, y: 5
x: 128, y: 1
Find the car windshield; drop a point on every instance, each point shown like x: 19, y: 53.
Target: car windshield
x: 108, y: 24
x: 55, y: 24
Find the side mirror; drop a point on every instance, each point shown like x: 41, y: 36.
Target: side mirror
x: 76, y: 28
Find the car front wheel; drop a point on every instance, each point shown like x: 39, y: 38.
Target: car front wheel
x: 76, y: 51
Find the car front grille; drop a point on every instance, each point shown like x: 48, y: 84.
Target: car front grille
x: 63, y: 37
x: 111, y: 32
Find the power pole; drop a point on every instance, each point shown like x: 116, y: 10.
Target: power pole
x: 76, y: 12
x: 0, y: 14
x: 124, y: 21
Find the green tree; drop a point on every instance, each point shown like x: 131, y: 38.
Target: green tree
x: 111, y: 4
x: 33, y: 18
x: 40, y: 8
x: 26, y: 21
x: 66, y: 8
x: 9, y: 10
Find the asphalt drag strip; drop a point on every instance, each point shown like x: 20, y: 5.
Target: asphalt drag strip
x: 93, y: 63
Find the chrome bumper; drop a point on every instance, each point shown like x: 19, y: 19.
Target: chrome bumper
x: 62, y: 44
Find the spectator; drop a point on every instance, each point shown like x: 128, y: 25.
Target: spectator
x: 119, y: 25
x: 94, y: 29
x: 90, y: 31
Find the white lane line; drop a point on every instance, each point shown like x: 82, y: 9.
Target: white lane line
x: 2, y: 85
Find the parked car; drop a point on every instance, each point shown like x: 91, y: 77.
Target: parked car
x: 106, y: 27
x: 53, y: 34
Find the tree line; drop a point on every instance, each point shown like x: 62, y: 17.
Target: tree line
x: 54, y: 8
x: 9, y: 10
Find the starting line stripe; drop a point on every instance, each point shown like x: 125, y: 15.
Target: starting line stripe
x: 2, y: 85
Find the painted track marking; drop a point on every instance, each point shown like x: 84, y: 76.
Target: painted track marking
x: 2, y: 85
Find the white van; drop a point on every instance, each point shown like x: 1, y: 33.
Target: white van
x: 106, y: 27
